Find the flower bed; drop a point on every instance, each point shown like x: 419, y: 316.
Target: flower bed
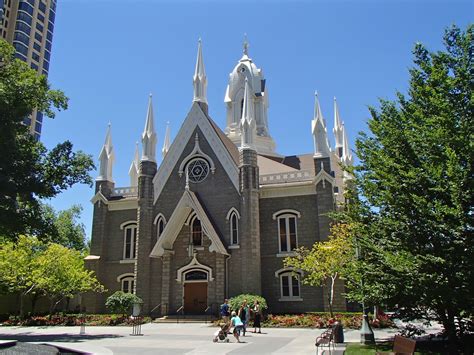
x: 323, y: 320
x: 72, y: 320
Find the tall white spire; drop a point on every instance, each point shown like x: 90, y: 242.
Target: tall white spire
x: 106, y: 158
x: 134, y: 168
x: 166, y: 143
x: 149, y: 135
x: 199, y: 78
x: 247, y: 123
x: 338, y: 130
x: 319, y: 131
x: 346, y: 151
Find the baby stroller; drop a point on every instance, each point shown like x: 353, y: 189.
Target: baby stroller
x: 221, y: 334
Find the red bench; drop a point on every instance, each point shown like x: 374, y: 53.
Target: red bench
x: 325, y: 339
x: 401, y: 345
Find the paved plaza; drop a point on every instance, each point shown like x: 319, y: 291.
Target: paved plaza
x: 172, y: 338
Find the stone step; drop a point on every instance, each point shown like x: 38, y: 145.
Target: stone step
x: 191, y: 318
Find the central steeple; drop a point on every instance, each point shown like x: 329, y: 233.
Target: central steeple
x: 247, y: 71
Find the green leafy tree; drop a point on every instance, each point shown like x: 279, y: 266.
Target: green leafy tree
x: 326, y: 261
x: 60, y: 274
x: 18, y: 262
x: 122, y: 302
x: 412, y: 203
x: 236, y: 302
x: 28, y: 171
x: 64, y: 227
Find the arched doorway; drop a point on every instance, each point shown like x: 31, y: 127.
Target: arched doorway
x: 195, y: 291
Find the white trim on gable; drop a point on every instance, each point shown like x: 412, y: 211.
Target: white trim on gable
x: 195, y: 118
x: 186, y: 205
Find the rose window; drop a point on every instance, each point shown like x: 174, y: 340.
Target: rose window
x: 198, y: 169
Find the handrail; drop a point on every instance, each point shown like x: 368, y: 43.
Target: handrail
x: 155, y: 308
x: 177, y: 313
x: 205, y: 311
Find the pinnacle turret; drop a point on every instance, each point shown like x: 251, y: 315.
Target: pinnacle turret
x: 166, y: 143
x: 106, y: 157
x: 319, y: 131
x: 338, y: 130
x: 134, y: 168
x: 247, y: 123
x: 200, y: 78
x: 346, y: 151
x: 149, y: 135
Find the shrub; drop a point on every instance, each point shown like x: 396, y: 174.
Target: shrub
x: 236, y: 302
x: 122, y: 302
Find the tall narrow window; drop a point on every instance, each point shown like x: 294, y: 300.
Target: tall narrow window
x: 196, y: 232
x: 130, y: 235
x: 234, y: 230
x: 127, y: 284
x: 290, y: 286
x: 160, y: 227
x: 287, y: 233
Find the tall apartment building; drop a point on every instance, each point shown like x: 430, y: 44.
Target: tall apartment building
x: 28, y: 25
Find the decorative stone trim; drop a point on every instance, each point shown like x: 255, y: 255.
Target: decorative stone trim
x: 234, y: 246
x: 126, y: 223
x: 286, y: 211
x: 196, y: 153
x: 194, y: 264
x: 127, y: 274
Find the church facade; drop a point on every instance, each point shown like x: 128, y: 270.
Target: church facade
x: 222, y: 210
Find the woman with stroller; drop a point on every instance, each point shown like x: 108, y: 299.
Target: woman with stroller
x: 236, y: 322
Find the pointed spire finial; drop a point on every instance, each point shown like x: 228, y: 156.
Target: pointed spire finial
x: 319, y: 131
x: 166, y: 143
x: 106, y: 157
x: 245, y: 45
x: 247, y: 123
x: 338, y: 130
x: 200, y: 78
x: 346, y: 151
x: 149, y: 135
x: 134, y: 170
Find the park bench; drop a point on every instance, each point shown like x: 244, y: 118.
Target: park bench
x: 326, y: 339
x: 401, y: 345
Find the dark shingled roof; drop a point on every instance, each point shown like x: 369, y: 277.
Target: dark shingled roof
x: 231, y: 148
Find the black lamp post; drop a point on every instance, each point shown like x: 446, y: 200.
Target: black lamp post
x: 366, y: 333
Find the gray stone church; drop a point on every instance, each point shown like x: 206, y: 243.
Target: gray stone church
x: 220, y: 213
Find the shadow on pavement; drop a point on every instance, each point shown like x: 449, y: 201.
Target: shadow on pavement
x: 65, y: 337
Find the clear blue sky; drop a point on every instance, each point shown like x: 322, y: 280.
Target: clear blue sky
x: 109, y: 54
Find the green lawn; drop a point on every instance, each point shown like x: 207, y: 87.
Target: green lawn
x: 360, y: 349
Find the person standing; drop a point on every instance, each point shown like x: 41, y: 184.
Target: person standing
x: 257, y: 311
x: 225, y: 311
x: 244, y: 314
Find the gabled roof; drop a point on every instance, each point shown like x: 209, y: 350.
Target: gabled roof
x: 187, y: 204
x: 223, y: 148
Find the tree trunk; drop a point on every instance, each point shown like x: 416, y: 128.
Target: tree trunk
x: 21, y: 306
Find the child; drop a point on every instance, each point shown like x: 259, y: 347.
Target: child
x: 237, y: 324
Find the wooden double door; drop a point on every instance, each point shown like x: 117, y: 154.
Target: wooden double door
x: 195, y: 297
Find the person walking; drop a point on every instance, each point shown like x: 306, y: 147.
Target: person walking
x: 257, y: 311
x: 225, y: 311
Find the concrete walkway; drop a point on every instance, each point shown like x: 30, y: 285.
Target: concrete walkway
x: 169, y: 338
